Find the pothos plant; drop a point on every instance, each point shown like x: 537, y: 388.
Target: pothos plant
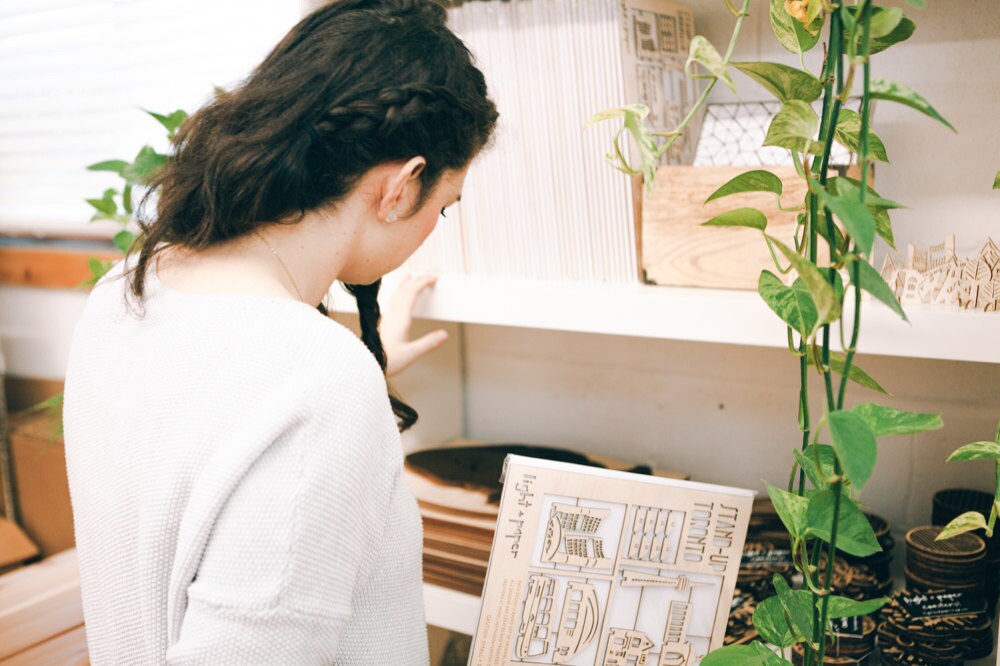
x: 117, y: 205
x: 822, y: 305
x: 973, y: 520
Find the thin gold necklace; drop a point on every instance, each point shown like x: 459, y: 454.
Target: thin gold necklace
x: 278, y: 257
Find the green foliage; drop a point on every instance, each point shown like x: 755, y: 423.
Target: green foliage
x: 793, y: 304
x: 703, y: 53
x: 784, y: 82
x: 854, y: 533
x: 645, y: 142
x: 976, y: 451
x: 791, y: 509
x: 889, y: 26
x: 755, y: 654
x: 996, y: 181
x: 967, y: 522
x: 845, y: 607
x: 790, y: 33
x: 853, y: 214
x: 900, y: 94
x: 871, y: 281
x: 794, y: 127
x: 751, y: 181
x: 855, y: 444
x: 771, y: 623
x: 822, y: 293
x: 884, y: 420
x: 848, y: 134
x: 818, y: 461
x: 798, y: 607
x: 741, y: 217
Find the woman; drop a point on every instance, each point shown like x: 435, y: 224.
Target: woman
x: 233, y: 458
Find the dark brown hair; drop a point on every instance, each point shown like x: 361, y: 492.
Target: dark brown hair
x: 355, y: 84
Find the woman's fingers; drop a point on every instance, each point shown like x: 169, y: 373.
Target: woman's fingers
x: 395, y: 330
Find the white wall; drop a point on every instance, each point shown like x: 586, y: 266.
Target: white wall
x: 723, y: 413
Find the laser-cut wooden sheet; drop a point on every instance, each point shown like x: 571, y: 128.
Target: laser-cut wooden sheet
x: 605, y: 568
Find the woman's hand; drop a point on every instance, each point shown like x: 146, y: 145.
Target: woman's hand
x: 400, y: 351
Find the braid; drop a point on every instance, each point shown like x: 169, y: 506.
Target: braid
x: 387, y: 111
x: 370, y: 315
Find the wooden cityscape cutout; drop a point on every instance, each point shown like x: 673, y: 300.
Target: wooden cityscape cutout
x: 599, y: 567
x: 936, y: 276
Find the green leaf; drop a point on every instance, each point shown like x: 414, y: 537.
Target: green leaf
x: 751, y: 181
x: 123, y: 241
x: 784, y: 82
x: 633, y: 115
x: 823, y: 295
x: 848, y: 134
x: 854, y: 442
x: 854, y: 533
x: 897, y: 92
x: 817, y: 473
x: 171, y: 122
x: 790, y: 33
x: 755, y: 654
x: 797, y: 604
x: 855, y: 216
x: 856, y: 374
x: 845, y: 607
x: 791, y: 509
x: 741, y: 217
x: 703, y: 53
x: 794, y: 127
x: 115, y: 166
x: 97, y: 269
x: 104, y: 207
x: 967, y: 522
x: 884, y: 420
x: 851, y: 187
x: 871, y: 280
x: 145, y: 164
x: 883, y: 226
x: 996, y: 181
x: 976, y: 451
x: 885, y: 21
x: 794, y: 305
x: 770, y: 622
x: 127, y: 199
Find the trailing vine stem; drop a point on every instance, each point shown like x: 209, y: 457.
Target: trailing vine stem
x: 678, y: 131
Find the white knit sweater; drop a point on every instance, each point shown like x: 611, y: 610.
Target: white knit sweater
x: 234, y: 468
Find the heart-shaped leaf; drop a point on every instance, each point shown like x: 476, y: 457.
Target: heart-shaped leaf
x: 845, y: 607
x: 784, y: 82
x: 976, y: 451
x: 897, y: 92
x: 967, y: 522
x: 790, y: 32
x: 872, y: 281
x: 770, y: 622
x: 823, y: 294
x: 794, y: 127
x: 741, y: 217
x: 848, y: 134
x: 794, y: 305
x: 854, y: 533
x: 706, y: 55
x: 884, y: 420
x: 855, y: 444
x: 751, y: 181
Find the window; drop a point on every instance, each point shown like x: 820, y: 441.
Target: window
x: 75, y: 74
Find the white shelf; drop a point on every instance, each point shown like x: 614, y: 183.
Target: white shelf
x: 699, y: 315
x: 451, y: 610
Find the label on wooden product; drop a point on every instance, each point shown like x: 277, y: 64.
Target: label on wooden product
x: 921, y: 605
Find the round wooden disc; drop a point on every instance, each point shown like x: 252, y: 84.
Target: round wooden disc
x: 962, y: 547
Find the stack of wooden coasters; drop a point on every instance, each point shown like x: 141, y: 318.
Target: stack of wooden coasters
x: 953, y: 502
x: 956, y: 564
x: 934, y: 628
x: 739, y: 629
x: 761, y: 560
x: 852, y: 642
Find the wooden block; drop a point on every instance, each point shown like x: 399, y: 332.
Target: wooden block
x: 38, y: 602
x: 15, y: 546
x: 677, y: 251
x: 47, y: 267
x: 67, y: 649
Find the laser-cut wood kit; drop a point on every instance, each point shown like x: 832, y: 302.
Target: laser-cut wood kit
x: 598, y: 567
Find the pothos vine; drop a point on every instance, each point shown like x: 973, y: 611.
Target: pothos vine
x: 822, y: 305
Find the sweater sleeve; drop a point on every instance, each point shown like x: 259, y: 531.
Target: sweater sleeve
x: 296, y: 540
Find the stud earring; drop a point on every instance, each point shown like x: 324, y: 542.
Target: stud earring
x: 391, y: 217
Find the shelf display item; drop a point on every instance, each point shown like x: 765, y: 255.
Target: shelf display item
x: 951, y: 503
x: 458, y: 492
x: 934, y: 628
x: 936, y: 276
x: 956, y: 564
x: 596, y: 566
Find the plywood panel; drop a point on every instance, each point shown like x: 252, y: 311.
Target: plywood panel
x: 678, y: 251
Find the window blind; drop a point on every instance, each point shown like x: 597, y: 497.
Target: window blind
x: 76, y: 74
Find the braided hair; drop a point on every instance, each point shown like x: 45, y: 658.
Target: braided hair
x: 356, y: 84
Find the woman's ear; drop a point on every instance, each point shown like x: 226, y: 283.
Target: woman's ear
x: 394, y: 199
